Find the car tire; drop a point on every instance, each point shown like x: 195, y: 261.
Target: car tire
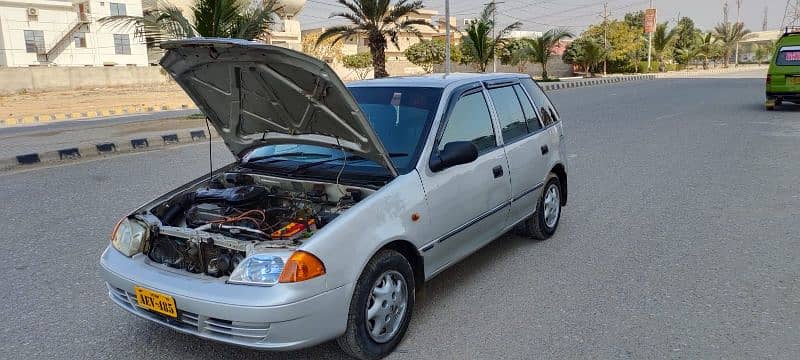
x: 387, y: 270
x: 542, y: 226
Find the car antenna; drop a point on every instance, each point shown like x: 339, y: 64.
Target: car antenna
x: 210, y: 160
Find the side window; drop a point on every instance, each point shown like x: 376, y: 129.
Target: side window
x: 470, y: 121
x: 509, y: 112
x: 530, y: 114
x: 547, y: 112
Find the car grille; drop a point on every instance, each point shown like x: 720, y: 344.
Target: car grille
x: 221, y: 329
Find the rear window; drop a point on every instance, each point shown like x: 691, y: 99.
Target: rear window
x: 788, y: 56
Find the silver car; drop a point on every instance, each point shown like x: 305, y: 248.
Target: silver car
x: 342, y: 202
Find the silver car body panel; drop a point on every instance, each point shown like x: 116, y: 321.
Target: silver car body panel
x: 262, y: 94
x: 457, y: 211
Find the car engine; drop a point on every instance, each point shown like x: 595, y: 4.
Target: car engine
x: 211, y: 229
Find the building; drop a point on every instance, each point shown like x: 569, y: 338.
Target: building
x: 66, y: 33
x: 287, y: 31
x: 748, y: 46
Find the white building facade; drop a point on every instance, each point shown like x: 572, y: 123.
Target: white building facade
x: 66, y: 33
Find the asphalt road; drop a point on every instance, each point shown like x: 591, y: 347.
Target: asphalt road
x: 680, y: 241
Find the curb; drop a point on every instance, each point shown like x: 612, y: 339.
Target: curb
x: 100, y: 149
x: 596, y: 81
x: 56, y: 117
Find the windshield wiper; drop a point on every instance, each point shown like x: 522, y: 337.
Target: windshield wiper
x: 348, y: 158
x: 265, y: 157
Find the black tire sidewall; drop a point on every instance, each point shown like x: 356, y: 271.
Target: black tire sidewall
x: 383, y: 261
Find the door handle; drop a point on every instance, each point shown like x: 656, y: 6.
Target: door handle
x: 497, y: 171
x: 545, y: 149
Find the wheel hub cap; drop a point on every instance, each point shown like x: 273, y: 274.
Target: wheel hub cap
x: 552, y: 206
x: 386, y: 306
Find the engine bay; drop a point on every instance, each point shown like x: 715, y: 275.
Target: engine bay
x: 209, y: 229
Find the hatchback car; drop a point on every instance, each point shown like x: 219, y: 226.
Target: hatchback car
x: 342, y: 201
x: 783, y: 76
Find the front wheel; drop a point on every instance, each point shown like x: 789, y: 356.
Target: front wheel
x: 381, y: 307
x: 544, y: 222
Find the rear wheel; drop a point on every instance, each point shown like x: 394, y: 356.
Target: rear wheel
x: 544, y: 222
x: 381, y: 307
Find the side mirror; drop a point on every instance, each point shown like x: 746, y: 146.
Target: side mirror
x: 454, y: 153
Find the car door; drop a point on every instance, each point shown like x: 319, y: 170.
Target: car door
x: 550, y: 118
x: 469, y: 202
x: 525, y: 144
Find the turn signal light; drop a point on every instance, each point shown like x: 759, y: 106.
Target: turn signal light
x: 301, y: 266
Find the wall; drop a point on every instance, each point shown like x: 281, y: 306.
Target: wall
x: 555, y: 68
x: 52, y: 78
x: 55, y: 20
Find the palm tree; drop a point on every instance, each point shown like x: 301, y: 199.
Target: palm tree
x: 377, y: 20
x: 662, y: 40
x: 729, y: 35
x: 212, y: 18
x: 592, y: 53
x: 478, y: 45
x: 707, y: 48
x: 541, y: 48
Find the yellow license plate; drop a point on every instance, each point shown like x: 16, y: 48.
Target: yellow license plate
x: 794, y: 80
x: 156, y: 301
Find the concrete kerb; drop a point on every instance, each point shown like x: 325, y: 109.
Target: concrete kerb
x: 55, y: 117
x: 90, y: 150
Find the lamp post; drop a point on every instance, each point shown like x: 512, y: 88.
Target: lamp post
x: 447, y: 66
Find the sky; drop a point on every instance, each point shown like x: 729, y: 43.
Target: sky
x: 577, y: 14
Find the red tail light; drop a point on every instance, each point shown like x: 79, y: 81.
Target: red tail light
x: 769, y: 79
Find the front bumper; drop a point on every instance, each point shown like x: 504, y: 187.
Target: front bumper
x: 238, y: 316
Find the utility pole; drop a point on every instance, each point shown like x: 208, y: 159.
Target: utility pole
x: 738, y: 20
x: 605, y: 37
x: 447, y: 65
x: 765, y: 21
x: 791, y: 16
x: 649, y: 44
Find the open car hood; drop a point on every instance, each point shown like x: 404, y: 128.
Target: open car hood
x: 257, y: 94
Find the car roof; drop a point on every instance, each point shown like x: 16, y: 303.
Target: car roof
x: 434, y: 80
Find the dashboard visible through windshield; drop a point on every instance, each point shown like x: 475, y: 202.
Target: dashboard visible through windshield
x: 400, y: 116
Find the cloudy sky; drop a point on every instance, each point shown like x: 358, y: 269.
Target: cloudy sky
x: 576, y: 14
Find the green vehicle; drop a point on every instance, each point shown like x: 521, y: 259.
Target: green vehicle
x: 783, y: 78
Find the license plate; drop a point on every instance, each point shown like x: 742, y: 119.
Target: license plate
x: 794, y: 80
x: 156, y: 301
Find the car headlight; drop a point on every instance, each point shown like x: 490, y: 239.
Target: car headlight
x: 129, y: 236
x: 270, y: 268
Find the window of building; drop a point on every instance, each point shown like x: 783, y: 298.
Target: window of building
x: 122, y: 44
x: 118, y: 9
x: 34, y: 41
x: 470, y: 121
x: 509, y: 113
x: 80, y: 39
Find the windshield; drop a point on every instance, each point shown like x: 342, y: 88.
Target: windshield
x: 788, y: 56
x: 400, y: 117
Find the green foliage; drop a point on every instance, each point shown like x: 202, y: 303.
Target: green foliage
x: 427, y: 54
x: 478, y: 46
x: 624, y: 42
x: 729, y: 34
x: 585, y: 52
x: 359, y: 63
x: 211, y: 18
x: 378, y: 20
x: 663, y: 41
x: 686, y: 33
x: 541, y: 48
x: 516, y: 53
x: 635, y: 20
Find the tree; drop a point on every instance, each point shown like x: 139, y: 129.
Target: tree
x: 685, y: 34
x: 359, y: 63
x: 623, y: 41
x: 427, y: 54
x: 729, y: 34
x: 635, y: 20
x: 708, y: 48
x: 586, y: 52
x: 377, y: 20
x: 327, y: 50
x: 211, y: 18
x: 662, y: 43
x: 478, y: 46
x: 516, y: 53
x: 541, y: 48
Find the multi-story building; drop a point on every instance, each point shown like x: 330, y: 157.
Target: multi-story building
x: 66, y: 33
